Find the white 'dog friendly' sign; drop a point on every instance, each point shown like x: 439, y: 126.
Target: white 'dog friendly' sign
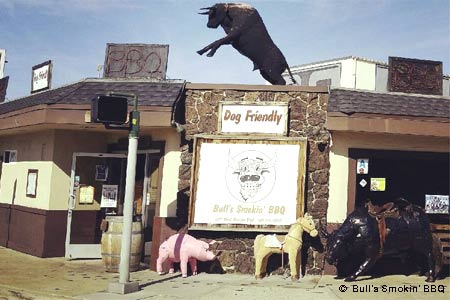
x: 261, y: 117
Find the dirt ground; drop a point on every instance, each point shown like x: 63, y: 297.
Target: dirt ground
x: 22, y: 274
x: 25, y: 277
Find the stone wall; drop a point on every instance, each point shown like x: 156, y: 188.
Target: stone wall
x: 307, y: 115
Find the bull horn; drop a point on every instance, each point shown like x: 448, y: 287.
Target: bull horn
x: 205, y: 12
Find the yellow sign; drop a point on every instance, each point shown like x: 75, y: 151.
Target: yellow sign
x: 377, y: 184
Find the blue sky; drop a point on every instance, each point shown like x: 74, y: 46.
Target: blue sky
x: 74, y: 34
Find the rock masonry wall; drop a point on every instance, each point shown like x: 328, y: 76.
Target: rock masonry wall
x: 307, y: 116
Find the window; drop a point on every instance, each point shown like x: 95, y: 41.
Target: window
x: 10, y: 156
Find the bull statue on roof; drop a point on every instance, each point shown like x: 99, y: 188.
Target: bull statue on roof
x: 247, y: 33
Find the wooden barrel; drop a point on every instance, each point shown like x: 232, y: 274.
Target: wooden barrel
x: 112, y: 243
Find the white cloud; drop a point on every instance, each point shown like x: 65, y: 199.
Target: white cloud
x: 61, y: 7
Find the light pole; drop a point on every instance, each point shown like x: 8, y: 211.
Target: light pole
x: 125, y: 286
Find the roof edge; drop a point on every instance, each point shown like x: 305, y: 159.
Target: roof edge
x: 388, y: 93
x: 337, y: 60
x: 95, y: 79
x: 248, y: 87
x: 46, y: 91
x: 140, y: 79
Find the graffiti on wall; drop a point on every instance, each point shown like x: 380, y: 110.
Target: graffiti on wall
x: 415, y: 76
x: 136, y: 61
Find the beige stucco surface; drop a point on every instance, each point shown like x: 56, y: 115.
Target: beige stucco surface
x: 172, y: 162
x: 342, y: 141
x: 52, y: 190
x: 30, y: 146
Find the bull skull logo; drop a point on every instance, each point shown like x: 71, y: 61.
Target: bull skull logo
x: 253, y: 173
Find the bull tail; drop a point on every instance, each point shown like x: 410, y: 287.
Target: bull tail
x: 292, y: 76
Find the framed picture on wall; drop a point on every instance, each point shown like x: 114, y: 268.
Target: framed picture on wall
x: 437, y: 204
x: 247, y: 183
x: 32, y: 182
x: 101, y: 172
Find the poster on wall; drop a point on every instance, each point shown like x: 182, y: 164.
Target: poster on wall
x: 362, y: 166
x: 109, y: 195
x: 437, y: 204
x: 86, y: 194
x: 246, y: 183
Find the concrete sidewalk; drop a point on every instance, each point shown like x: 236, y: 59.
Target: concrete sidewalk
x: 31, y: 278
x: 245, y: 287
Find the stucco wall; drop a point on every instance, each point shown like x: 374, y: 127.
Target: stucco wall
x: 52, y: 187
x: 172, y: 162
x: 69, y: 141
x: 49, y: 151
x: 342, y: 141
x: 36, y: 146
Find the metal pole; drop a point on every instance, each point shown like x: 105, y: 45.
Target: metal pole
x: 125, y: 286
x: 124, y: 267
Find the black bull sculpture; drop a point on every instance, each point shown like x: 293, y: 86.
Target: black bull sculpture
x: 371, y: 232
x: 247, y: 33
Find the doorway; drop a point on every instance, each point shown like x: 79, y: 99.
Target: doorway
x: 407, y: 174
x: 98, y: 190
x: 92, y: 173
x: 414, y: 176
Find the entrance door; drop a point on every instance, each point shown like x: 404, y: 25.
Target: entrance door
x: 91, y: 174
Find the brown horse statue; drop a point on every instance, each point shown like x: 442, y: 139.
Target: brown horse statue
x: 291, y: 243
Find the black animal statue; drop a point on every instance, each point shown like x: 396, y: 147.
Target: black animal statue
x: 371, y: 232
x: 247, y: 33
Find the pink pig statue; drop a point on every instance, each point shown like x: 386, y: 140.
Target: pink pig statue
x: 183, y: 248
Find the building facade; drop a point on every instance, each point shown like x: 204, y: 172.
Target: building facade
x: 56, y: 164
x: 399, y: 135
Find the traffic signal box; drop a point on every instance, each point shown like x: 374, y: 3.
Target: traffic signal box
x: 109, y: 110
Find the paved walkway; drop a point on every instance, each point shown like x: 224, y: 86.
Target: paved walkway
x: 30, y: 278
